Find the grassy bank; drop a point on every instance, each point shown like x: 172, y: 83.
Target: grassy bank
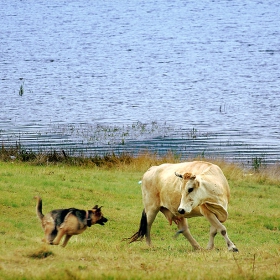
x: 100, y: 253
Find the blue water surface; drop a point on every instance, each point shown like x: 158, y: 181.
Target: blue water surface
x: 193, y: 77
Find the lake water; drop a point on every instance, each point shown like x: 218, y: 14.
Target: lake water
x: 194, y: 77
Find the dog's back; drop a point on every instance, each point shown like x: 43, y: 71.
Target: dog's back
x: 59, y: 215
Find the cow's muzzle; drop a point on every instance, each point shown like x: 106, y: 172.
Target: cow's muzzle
x: 181, y: 211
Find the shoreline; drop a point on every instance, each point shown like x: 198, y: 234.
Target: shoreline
x: 82, y: 140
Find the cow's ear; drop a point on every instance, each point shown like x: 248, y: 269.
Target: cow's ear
x: 179, y: 175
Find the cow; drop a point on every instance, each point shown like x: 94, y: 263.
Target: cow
x: 185, y: 190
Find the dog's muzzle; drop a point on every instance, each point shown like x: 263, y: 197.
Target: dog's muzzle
x: 102, y: 221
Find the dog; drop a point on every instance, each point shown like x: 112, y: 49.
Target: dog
x: 68, y: 222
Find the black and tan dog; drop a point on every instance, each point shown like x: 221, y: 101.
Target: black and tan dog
x: 68, y: 222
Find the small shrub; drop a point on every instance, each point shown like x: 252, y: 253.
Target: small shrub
x: 27, y: 155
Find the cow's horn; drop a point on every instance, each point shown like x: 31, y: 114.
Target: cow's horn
x: 179, y: 175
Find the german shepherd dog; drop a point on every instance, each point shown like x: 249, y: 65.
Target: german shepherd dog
x: 68, y: 222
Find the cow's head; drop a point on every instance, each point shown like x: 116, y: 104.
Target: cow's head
x: 189, y: 192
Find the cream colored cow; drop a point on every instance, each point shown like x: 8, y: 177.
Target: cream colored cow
x: 185, y: 190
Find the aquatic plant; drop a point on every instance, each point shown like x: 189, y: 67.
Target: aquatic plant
x: 257, y: 162
x: 21, y: 89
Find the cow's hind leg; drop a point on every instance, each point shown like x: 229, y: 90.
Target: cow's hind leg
x: 151, y: 215
x: 146, y: 222
x: 184, y: 229
x: 217, y: 226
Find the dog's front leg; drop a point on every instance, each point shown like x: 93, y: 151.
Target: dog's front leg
x: 60, y: 234
x: 66, y: 239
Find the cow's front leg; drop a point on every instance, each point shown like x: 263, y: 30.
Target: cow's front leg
x: 184, y: 229
x: 213, y: 232
x: 216, y: 224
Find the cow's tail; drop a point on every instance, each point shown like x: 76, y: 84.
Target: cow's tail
x: 138, y: 236
x: 39, y: 207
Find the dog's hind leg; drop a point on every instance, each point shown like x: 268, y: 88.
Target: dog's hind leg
x: 49, y: 229
x: 49, y: 238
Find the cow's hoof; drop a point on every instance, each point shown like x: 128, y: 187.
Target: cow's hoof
x: 233, y: 249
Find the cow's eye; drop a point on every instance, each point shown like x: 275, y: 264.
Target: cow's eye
x: 190, y: 190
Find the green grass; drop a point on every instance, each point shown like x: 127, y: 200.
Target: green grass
x: 100, y: 253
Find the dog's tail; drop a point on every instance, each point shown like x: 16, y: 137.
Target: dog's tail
x: 39, y: 205
x: 138, y: 236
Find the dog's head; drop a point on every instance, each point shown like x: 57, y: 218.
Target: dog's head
x: 96, y: 216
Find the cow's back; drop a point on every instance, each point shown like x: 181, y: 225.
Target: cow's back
x: 164, y: 174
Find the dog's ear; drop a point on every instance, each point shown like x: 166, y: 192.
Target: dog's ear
x: 98, y: 209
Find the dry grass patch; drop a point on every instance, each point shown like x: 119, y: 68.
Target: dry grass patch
x: 41, y: 253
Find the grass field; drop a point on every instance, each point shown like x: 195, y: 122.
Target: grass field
x: 99, y: 253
